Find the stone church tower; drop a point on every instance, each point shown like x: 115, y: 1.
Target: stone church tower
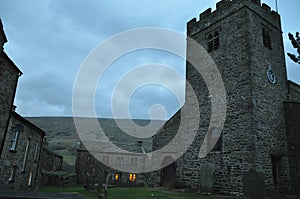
x: 244, y: 38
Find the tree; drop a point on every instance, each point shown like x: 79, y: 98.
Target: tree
x: 296, y: 44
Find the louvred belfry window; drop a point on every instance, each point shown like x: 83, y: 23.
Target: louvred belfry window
x: 267, y: 38
x: 213, y: 42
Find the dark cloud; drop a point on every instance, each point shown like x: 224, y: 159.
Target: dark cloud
x: 50, y: 39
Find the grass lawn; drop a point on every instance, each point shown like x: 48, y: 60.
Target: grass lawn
x: 75, y: 189
x: 126, y: 193
x: 68, y: 157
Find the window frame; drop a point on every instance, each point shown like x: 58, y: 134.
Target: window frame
x: 266, y: 35
x: 25, y: 156
x: 30, y: 177
x: 13, y: 146
x: 12, y: 174
x: 213, y: 40
x: 120, y: 160
x: 36, y: 152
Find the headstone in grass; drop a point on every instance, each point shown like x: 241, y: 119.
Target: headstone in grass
x: 254, y: 184
x: 207, y: 178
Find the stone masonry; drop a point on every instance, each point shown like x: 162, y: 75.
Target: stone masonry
x: 247, y: 44
x: 88, y: 167
x: 9, y: 74
x: 292, y: 126
x: 21, y: 155
x: 50, y: 160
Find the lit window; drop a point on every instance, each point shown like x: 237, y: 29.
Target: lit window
x: 267, y: 38
x: 132, y: 177
x: 117, y: 176
x: 12, y: 174
x: 30, y: 179
x: 25, y: 156
x: 36, y: 152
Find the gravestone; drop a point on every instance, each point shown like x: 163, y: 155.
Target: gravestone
x: 207, y: 178
x: 254, y: 185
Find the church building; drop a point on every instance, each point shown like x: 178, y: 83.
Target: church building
x: 258, y: 142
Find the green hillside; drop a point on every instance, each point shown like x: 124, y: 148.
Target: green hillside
x: 62, y: 135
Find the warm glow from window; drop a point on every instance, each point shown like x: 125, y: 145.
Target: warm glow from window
x: 30, y: 179
x: 132, y: 177
x: 117, y: 176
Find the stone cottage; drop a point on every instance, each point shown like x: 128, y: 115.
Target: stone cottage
x: 244, y: 38
x: 21, y: 155
x: 20, y: 140
x: 87, y: 166
x: 9, y: 75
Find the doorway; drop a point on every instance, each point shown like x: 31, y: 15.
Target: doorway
x: 168, y: 173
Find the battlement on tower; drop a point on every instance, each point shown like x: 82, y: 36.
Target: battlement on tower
x: 227, y: 7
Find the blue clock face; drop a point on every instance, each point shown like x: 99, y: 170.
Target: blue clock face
x: 271, y: 75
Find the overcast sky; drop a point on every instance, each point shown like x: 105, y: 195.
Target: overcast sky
x: 49, y: 40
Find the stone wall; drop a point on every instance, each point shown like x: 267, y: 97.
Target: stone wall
x: 51, y: 161
x: 9, y: 75
x: 20, y: 169
x: 87, y: 169
x: 293, y: 91
x: 292, y: 120
x: 254, y: 128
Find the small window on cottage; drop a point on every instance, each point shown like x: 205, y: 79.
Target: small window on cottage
x: 17, y: 131
x: 132, y: 177
x: 267, y: 38
x: 120, y: 160
x: 213, y: 42
x: 36, y: 152
x: 91, y: 159
x: 12, y: 174
x: 14, y: 141
x: 30, y: 179
x: 118, y: 176
x: 25, y: 155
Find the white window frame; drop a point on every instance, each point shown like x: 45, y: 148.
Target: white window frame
x: 36, y: 152
x: 25, y: 155
x: 120, y: 160
x: 15, y: 141
x: 30, y: 178
x: 12, y: 174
